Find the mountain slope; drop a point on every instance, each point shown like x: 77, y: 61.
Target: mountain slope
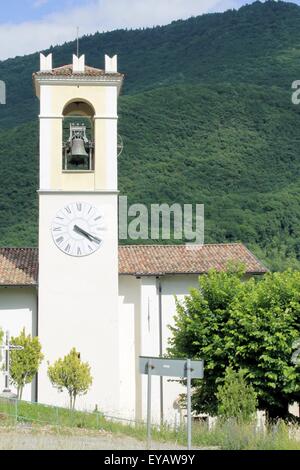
x: 257, y: 44
x: 206, y: 117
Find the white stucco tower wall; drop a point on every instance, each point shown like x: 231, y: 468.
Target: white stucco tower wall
x: 78, y: 295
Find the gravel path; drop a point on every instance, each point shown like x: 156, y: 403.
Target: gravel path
x: 47, y: 438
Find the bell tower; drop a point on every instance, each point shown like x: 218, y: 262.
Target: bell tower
x: 78, y: 224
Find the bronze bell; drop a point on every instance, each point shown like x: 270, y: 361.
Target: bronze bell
x: 78, y: 151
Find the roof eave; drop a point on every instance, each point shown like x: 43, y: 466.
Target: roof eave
x: 183, y: 273
x: 5, y: 286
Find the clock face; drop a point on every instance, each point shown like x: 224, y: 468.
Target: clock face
x: 77, y: 229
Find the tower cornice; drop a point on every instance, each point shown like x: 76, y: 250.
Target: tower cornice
x: 82, y: 192
x: 77, y: 80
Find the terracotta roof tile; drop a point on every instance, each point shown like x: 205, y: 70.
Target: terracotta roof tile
x: 181, y: 259
x: 19, y: 266
x: 67, y: 71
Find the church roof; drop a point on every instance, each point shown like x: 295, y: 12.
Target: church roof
x: 67, y: 71
x: 19, y: 266
x: 182, y: 259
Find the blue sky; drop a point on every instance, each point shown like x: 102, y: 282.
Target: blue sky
x: 18, y: 11
x: 30, y: 25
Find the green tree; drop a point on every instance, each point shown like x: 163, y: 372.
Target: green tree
x: 72, y: 374
x: 24, y: 364
x: 236, y: 398
x: 249, y: 325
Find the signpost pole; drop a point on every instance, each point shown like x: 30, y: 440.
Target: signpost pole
x: 171, y: 367
x: 149, y: 405
x: 7, y: 348
x: 7, y: 361
x: 189, y: 404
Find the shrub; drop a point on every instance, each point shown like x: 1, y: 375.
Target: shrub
x: 72, y: 374
x: 236, y: 399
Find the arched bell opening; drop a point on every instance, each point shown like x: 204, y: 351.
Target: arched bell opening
x: 78, y: 150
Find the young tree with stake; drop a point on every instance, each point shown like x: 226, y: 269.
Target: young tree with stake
x: 72, y: 374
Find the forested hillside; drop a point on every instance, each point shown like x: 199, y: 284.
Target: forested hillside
x: 206, y: 117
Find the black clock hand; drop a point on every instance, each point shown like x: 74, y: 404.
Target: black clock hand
x: 87, y: 235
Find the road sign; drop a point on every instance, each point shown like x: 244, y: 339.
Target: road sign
x: 166, y: 367
x: 171, y: 367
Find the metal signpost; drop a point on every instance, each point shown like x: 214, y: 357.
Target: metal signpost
x: 182, y: 368
x: 7, y: 348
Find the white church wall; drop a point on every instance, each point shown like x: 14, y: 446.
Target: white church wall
x: 150, y: 342
x: 294, y: 409
x: 172, y: 285
x: 129, y: 343
x: 180, y: 286
x: 18, y: 310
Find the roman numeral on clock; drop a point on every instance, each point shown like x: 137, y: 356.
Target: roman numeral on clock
x: 68, y: 248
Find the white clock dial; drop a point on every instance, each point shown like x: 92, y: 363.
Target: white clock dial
x: 77, y: 229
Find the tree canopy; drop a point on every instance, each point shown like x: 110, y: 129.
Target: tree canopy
x: 244, y: 325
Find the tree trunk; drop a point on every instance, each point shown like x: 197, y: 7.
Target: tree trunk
x: 275, y: 413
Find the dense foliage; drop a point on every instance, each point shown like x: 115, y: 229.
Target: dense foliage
x: 244, y: 325
x: 206, y: 117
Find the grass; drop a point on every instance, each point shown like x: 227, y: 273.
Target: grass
x: 229, y: 435
x: 236, y: 436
